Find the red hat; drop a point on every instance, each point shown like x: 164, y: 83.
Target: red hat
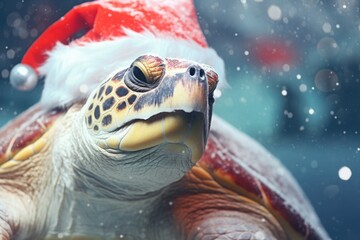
x: 115, y: 33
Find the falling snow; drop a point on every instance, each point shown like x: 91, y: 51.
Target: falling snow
x: 326, y: 27
x: 274, y: 12
x: 345, y: 173
x: 311, y: 111
x: 302, y: 88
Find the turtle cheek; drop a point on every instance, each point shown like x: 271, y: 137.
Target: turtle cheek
x: 90, y: 120
x: 106, y: 112
x: 107, y: 107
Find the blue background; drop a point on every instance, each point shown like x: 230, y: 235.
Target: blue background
x: 270, y: 103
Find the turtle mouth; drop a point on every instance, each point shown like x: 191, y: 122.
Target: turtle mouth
x: 159, y: 116
x: 188, y: 128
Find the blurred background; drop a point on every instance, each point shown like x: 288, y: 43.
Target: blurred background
x: 293, y: 73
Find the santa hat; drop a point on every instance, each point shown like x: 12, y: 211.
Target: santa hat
x: 115, y: 32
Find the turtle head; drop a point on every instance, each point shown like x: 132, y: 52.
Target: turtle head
x: 155, y: 101
x: 149, y: 122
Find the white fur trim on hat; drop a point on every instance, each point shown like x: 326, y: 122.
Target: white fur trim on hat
x: 73, y: 71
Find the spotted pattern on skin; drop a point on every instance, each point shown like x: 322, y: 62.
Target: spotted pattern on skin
x: 97, y: 112
x: 100, y: 92
x: 107, y: 120
x: 121, y: 106
x: 108, y: 104
x: 132, y: 99
x: 91, y: 107
x: 122, y: 91
x: 89, y: 120
x: 108, y: 90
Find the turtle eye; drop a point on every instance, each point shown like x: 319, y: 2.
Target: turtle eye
x: 145, y: 73
x: 139, y: 75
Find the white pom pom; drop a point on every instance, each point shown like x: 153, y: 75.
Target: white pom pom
x: 23, y: 77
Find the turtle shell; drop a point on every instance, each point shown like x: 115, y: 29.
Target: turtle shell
x: 25, y: 130
x: 239, y: 163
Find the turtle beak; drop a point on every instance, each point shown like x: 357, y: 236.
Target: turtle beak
x: 176, y: 127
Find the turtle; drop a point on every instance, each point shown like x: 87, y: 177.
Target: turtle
x: 143, y: 157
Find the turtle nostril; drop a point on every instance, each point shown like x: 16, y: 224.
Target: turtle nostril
x: 192, y: 71
x: 196, y: 72
x: 202, y: 74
